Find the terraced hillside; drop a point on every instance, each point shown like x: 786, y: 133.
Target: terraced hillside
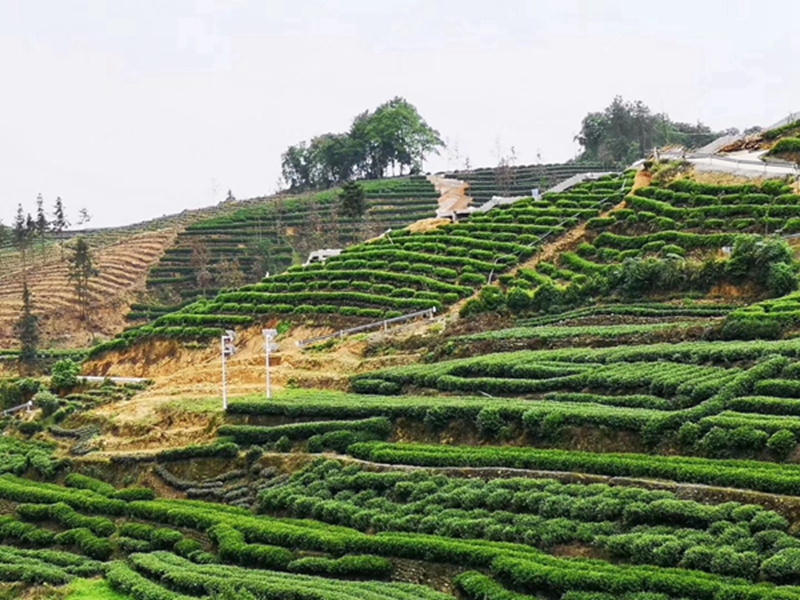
x: 519, y: 180
x: 121, y: 268
x: 258, y: 237
x: 647, y: 389
x: 239, y: 242
x: 613, y: 444
x: 398, y: 273
x: 768, y: 319
x: 684, y: 241
x: 124, y: 279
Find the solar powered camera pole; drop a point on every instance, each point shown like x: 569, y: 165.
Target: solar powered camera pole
x: 269, y: 335
x: 228, y: 350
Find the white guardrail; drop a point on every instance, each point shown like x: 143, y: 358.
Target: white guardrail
x: 10, y: 411
x: 114, y: 380
x: 428, y: 312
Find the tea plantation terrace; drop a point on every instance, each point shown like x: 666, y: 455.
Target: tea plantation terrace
x: 667, y: 242
x: 399, y: 273
x: 494, y: 539
x: 519, y: 180
x: 269, y: 235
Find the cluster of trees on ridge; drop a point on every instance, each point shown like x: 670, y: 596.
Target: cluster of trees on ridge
x: 394, y: 136
x: 624, y: 132
x: 28, y: 228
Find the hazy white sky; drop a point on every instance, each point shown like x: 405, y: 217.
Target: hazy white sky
x: 139, y: 108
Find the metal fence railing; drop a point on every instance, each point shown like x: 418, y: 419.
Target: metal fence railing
x: 428, y: 312
x: 10, y: 411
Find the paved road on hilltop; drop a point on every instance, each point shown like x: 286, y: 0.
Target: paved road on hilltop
x: 735, y: 165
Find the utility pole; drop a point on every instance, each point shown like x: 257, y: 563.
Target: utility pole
x: 269, y: 335
x: 228, y: 350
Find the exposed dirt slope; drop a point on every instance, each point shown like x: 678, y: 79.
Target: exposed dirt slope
x: 194, y: 371
x: 426, y: 225
x: 566, y: 243
x: 722, y: 178
x: 122, y: 268
x: 191, y: 372
x: 453, y: 193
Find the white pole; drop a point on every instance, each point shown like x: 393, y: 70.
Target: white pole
x: 269, y: 386
x: 224, y: 378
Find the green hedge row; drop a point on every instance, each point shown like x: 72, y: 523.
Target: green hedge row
x: 252, y: 434
x: 541, y: 513
x: 766, y: 477
x: 66, y: 516
x: 345, y: 298
x: 212, y: 580
x: 232, y: 548
x: 76, y: 480
x: 45, y: 566
x: 363, y: 274
x: 363, y: 566
x: 219, y: 449
x: 688, y: 241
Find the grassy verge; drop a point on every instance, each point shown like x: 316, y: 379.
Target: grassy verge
x: 93, y: 589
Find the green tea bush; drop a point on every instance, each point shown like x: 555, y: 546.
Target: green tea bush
x: 781, y: 279
x: 165, y: 539
x: 139, y: 531
x: 219, y: 449
x: 232, y: 548
x: 76, y: 480
x: 786, y: 145
x: 689, y: 434
x: 47, y: 401
x: 135, y: 493
x: 252, y: 434
x: 518, y: 300
x: 89, y: 544
x: 782, y: 443
x: 728, y: 473
x: 375, y: 386
x: 490, y: 422
x: 783, y: 567
x: 64, y: 375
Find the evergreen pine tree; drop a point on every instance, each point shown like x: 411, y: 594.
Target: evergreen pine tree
x: 59, y: 223
x: 30, y: 229
x: 19, y: 228
x: 81, y: 269
x: 41, y: 223
x: 27, y: 330
x: 83, y: 216
x: 21, y: 234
